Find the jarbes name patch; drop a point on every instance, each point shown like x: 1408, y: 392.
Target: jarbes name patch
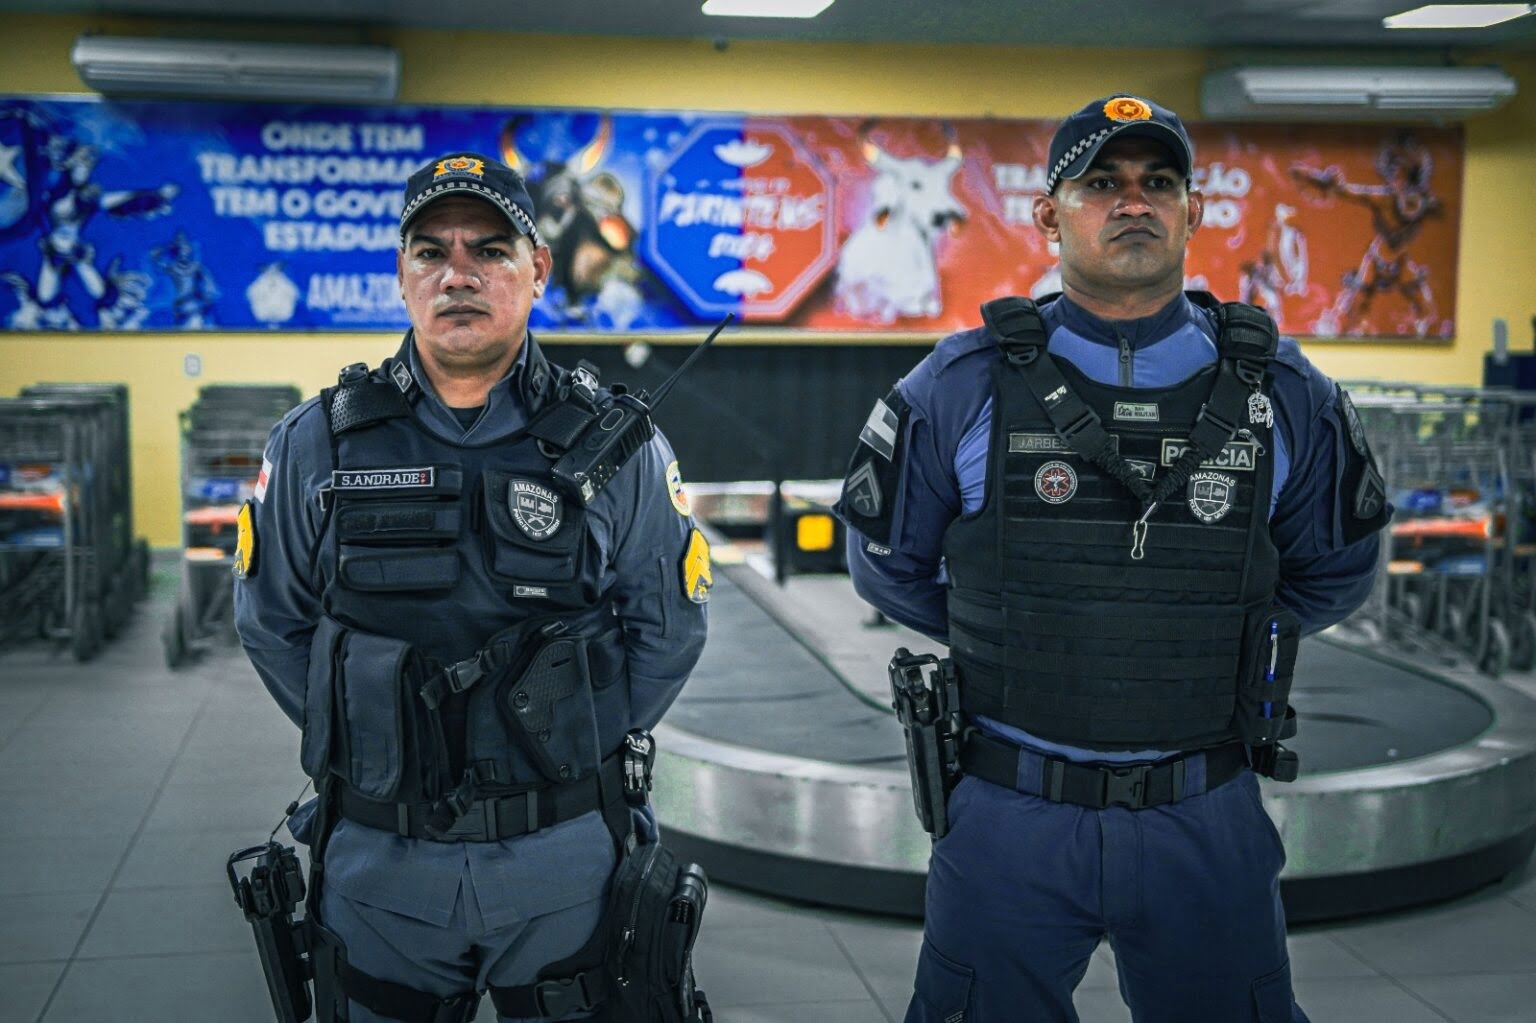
x: 414, y: 478
x: 1237, y: 456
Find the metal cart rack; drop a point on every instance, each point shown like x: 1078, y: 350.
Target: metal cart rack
x: 223, y: 435
x: 1460, y: 466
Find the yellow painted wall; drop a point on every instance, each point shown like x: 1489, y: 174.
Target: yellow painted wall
x: 1498, y: 245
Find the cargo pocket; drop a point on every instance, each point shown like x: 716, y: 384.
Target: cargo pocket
x: 320, y: 696
x: 535, y: 535
x: 1272, y: 998
x: 1264, y: 692
x: 943, y: 988
x: 372, y: 700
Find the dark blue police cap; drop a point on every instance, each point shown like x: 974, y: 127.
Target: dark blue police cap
x: 476, y: 175
x: 1079, y: 137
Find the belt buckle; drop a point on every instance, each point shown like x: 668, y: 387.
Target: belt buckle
x: 469, y: 827
x: 1126, y: 786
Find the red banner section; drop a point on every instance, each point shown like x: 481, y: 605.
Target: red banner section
x: 1337, y: 230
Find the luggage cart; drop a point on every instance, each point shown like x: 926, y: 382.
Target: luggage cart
x: 123, y: 558
x: 1456, y: 564
x: 51, y: 520
x: 223, y: 436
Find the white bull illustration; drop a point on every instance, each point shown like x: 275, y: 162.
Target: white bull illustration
x: 887, y: 267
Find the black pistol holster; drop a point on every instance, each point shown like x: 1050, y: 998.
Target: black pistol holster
x: 927, y: 704
x: 267, y: 896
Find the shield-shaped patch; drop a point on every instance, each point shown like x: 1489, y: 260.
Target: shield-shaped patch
x: 862, y: 491
x: 535, y: 509
x: 1210, y: 495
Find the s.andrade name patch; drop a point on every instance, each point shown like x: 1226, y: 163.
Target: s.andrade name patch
x: 408, y: 478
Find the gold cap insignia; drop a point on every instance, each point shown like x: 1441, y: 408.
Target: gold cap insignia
x: 1127, y: 108
x: 459, y: 164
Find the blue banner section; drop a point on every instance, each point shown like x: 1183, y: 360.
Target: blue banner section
x: 217, y: 216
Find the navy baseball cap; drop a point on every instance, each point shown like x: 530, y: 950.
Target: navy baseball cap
x: 476, y: 175
x: 1080, y: 136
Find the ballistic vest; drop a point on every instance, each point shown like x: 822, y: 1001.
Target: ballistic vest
x: 464, y: 633
x: 1075, y: 612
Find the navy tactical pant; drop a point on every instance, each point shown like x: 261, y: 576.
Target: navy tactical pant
x: 466, y: 954
x: 1021, y: 890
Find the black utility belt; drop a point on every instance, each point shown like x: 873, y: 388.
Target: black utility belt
x: 1097, y: 786
x: 493, y: 817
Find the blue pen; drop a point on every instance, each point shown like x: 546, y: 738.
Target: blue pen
x: 1274, y: 657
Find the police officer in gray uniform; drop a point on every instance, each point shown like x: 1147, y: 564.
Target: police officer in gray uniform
x: 466, y: 641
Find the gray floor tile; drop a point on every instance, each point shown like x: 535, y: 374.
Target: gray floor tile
x: 38, y: 927
x: 1316, y: 953
x: 227, y: 988
x: 1100, y: 1005
x: 1480, y: 934
x: 26, y: 987
x: 173, y: 921
x: 1480, y: 997
x: 208, y: 806
x: 885, y: 954
x: 1363, y: 999
x: 39, y: 866
x: 177, y: 860
x: 756, y: 966
x: 731, y: 907
x: 799, y: 1012
x: 76, y: 811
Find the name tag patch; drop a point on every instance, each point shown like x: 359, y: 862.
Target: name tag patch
x: 530, y: 591
x: 1136, y: 412
x: 1032, y: 443
x: 413, y: 478
x: 1237, y: 456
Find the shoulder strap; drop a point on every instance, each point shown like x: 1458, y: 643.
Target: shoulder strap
x: 361, y: 398
x: 570, y: 410
x: 1015, y: 325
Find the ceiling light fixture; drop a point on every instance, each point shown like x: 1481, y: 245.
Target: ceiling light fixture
x: 766, y: 8
x: 1457, y: 16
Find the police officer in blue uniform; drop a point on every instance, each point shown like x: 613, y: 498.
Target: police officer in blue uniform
x: 466, y: 641
x: 1121, y: 509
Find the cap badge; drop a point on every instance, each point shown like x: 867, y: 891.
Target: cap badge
x: 1127, y: 108
x: 459, y: 165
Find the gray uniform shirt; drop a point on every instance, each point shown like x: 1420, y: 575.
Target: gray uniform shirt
x: 641, y: 535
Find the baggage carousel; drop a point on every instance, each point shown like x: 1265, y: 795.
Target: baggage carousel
x: 782, y: 769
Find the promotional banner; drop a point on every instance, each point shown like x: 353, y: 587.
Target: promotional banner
x: 124, y: 216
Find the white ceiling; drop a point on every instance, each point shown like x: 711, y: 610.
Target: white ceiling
x: 1159, y: 23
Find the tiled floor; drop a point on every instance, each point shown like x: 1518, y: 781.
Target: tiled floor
x: 123, y: 786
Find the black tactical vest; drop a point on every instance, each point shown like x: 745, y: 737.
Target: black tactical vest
x: 1069, y: 621
x: 445, y: 569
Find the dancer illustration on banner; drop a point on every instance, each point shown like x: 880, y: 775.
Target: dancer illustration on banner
x: 69, y: 199
x: 1399, y: 206
x: 1281, y: 266
x: 888, y: 267
x: 196, y: 291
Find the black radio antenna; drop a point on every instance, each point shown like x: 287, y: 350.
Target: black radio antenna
x: 666, y: 386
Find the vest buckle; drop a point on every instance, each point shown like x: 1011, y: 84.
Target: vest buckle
x: 1126, y: 786
x: 639, y: 757
x: 557, y: 998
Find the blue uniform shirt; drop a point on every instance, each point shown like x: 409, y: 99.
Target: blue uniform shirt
x: 948, y: 436
x: 641, y: 537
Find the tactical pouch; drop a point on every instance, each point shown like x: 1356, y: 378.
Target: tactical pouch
x: 392, y: 540
x: 535, y: 537
x: 1264, y: 715
x: 654, y: 912
x: 359, y: 719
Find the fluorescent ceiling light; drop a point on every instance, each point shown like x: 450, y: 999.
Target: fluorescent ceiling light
x: 766, y: 8
x: 1457, y: 16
